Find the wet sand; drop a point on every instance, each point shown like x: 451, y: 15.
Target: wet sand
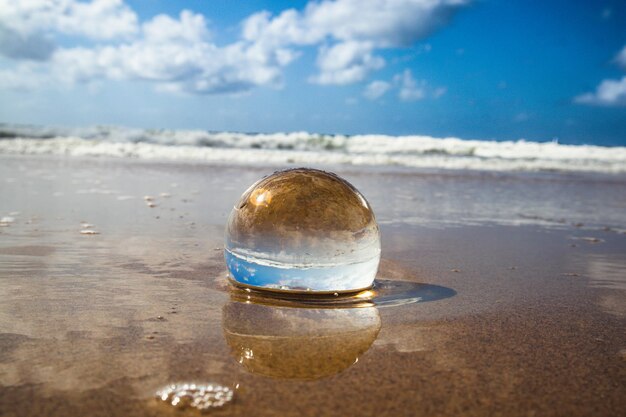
x: 530, y: 318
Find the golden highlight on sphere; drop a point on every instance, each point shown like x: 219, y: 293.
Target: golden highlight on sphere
x: 303, y: 200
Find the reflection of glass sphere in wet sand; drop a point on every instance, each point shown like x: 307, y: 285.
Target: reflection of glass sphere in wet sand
x: 303, y: 230
x: 301, y: 343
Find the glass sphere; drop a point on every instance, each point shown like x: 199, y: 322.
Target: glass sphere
x: 303, y: 230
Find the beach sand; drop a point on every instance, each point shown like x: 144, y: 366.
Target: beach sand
x: 113, y: 284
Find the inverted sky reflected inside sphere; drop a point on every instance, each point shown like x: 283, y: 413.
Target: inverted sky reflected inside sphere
x: 303, y: 230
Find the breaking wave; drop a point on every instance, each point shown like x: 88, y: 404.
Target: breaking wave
x: 307, y: 148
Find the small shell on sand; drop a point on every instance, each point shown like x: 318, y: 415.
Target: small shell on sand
x: 89, y: 232
x: 151, y: 205
x: 201, y: 396
x: 148, y: 198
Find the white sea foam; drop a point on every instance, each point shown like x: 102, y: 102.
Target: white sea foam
x: 307, y: 148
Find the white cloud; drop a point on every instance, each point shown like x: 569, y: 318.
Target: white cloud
x: 410, y: 89
x: 350, y: 25
x: 177, y: 54
x: 27, y: 28
x: 376, y: 89
x: 383, y: 22
x: 98, y: 19
x: 24, y: 76
x: 346, y: 63
x: 25, y: 46
x: 190, y: 28
x: 609, y: 93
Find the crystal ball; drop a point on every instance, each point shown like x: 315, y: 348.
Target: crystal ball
x: 303, y: 230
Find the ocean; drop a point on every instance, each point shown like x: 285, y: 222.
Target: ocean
x: 303, y: 148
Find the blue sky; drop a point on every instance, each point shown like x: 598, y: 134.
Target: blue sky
x: 478, y: 70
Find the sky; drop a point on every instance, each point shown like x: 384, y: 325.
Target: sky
x: 488, y: 69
